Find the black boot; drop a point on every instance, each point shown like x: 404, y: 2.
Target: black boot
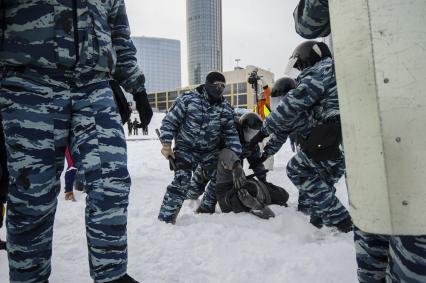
x: 303, y: 208
x: 345, y: 225
x: 125, y: 279
x: 202, y: 209
x: 316, y: 221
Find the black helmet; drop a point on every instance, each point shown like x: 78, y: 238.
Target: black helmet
x: 308, y: 53
x: 282, y: 86
x: 250, y: 124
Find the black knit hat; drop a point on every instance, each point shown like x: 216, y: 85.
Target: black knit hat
x: 215, y: 76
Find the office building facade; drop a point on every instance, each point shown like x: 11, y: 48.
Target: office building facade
x: 204, y: 36
x: 160, y: 60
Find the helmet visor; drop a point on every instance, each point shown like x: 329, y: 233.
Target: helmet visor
x: 292, y: 69
x: 249, y: 134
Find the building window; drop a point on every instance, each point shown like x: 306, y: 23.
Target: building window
x: 241, y: 99
x: 242, y: 88
x: 151, y: 98
x: 170, y: 104
x: 172, y: 95
x: 161, y: 96
x: 162, y: 106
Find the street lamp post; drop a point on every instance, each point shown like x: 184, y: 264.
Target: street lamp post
x: 237, y: 61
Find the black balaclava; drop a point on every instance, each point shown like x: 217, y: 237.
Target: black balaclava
x: 214, y: 86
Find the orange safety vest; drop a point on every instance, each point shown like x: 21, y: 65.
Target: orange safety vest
x: 264, y: 103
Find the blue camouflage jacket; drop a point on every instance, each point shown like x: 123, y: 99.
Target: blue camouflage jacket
x: 88, y: 39
x: 312, y: 19
x: 314, y: 101
x: 198, y: 125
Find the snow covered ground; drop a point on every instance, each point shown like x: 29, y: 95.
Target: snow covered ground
x: 219, y: 248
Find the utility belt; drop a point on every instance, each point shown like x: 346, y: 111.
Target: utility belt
x: 323, y: 142
x: 61, y: 76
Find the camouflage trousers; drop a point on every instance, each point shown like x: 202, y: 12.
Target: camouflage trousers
x: 183, y: 186
x: 391, y: 259
x: 198, y: 183
x: 315, y: 182
x: 39, y: 121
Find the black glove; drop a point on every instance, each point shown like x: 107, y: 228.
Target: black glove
x: 144, y: 108
x: 263, y: 157
x: 121, y: 101
x: 238, y: 176
x: 259, y: 137
x: 2, y: 213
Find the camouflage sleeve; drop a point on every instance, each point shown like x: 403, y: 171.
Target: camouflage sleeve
x: 288, y: 113
x: 254, y: 156
x: 127, y: 72
x: 172, y: 121
x: 312, y: 19
x: 275, y: 143
x: 229, y: 133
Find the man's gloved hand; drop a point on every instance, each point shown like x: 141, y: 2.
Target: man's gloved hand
x: 259, y: 137
x: 167, y: 151
x: 144, y: 108
x: 238, y: 175
x: 263, y: 157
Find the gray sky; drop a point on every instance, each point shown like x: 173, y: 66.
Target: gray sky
x: 259, y: 32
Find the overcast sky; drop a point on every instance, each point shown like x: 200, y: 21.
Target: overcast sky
x: 258, y: 32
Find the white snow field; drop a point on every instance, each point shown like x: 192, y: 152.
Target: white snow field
x: 219, y: 248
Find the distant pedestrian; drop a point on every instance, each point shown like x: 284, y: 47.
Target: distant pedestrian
x: 135, y: 126
x: 145, y: 131
x: 130, y: 126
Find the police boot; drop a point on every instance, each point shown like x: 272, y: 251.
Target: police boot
x: 303, y: 208
x: 203, y: 209
x: 2, y: 245
x: 316, y: 221
x: 125, y: 279
x: 344, y: 226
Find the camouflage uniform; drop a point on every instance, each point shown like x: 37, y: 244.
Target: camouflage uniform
x: 406, y: 261
x: 372, y: 256
x: 57, y: 60
x: 311, y: 18
x: 200, y: 179
x: 315, y: 95
x: 198, y: 128
x: 391, y: 259
x: 274, y: 144
x: 4, y: 174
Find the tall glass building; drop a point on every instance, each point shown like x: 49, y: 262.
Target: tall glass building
x: 160, y: 60
x: 204, y: 35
